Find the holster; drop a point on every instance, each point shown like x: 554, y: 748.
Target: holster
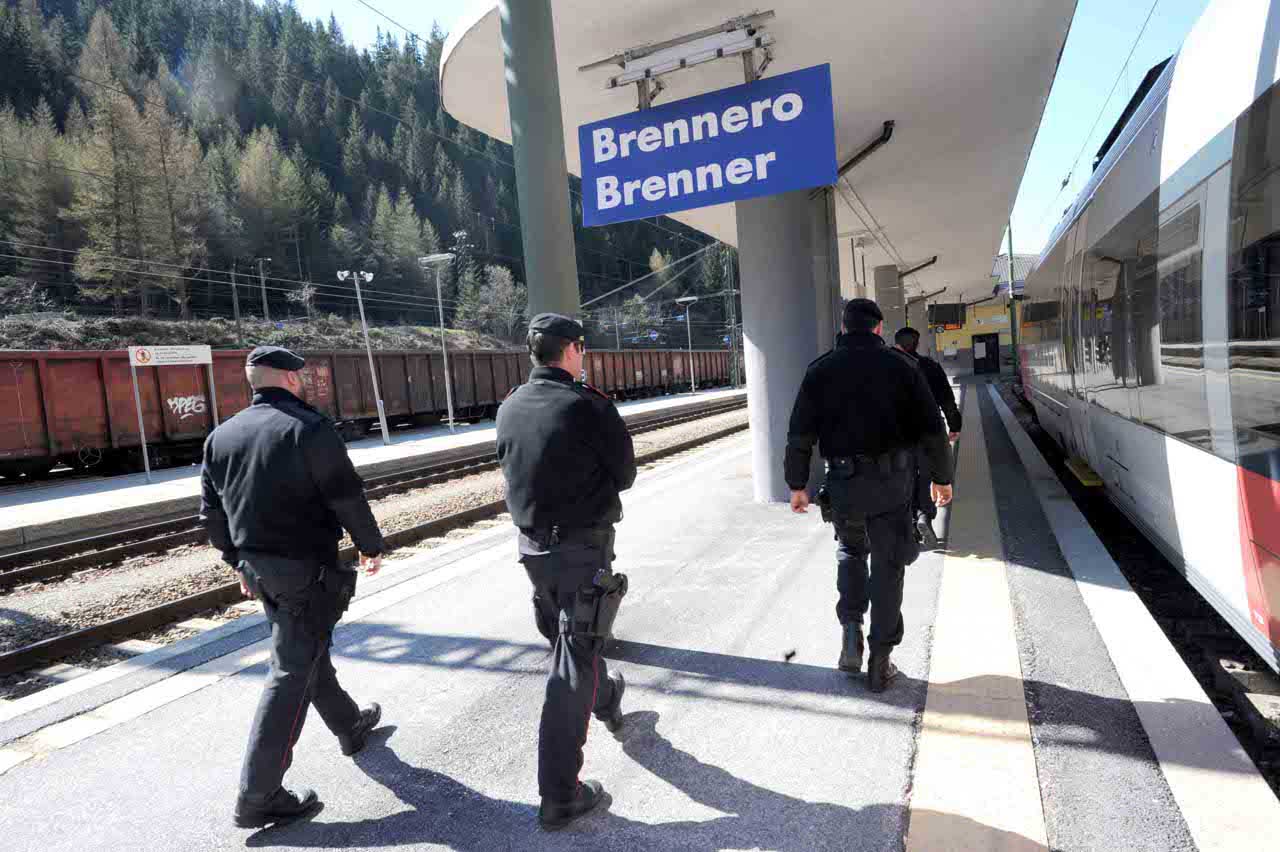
x: 823, y: 500
x: 329, y: 597
x: 595, y: 606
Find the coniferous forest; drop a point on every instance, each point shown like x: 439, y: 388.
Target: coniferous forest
x: 154, y: 153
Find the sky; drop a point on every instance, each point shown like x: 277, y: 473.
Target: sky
x: 1094, y: 60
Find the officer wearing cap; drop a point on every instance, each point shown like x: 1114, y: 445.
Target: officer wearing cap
x: 867, y: 407
x: 277, y: 491
x: 566, y: 454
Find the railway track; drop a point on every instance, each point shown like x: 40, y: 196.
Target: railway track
x: 155, y: 538
x: 59, y: 560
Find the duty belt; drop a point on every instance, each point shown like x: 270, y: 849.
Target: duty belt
x: 568, y: 535
x: 884, y: 464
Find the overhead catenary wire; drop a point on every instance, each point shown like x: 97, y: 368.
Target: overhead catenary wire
x: 636, y: 281
x: 252, y: 284
x: 197, y: 269
x: 1101, y: 111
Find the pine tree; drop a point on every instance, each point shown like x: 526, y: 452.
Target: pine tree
x: 505, y: 302
x: 307, y: 120
x: 274, y: 197
x: 107, y: 62
x: 221, y: 174
x: 398, y: 238
x: 44, y: 191
x: 110, y: 199
x: 174, y: 202
x: 470, y: 312
x: 12, y: 167
x: 354, y: 164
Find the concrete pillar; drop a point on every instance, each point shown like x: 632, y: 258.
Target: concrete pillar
x: 918, y: 318
x: 780, y: 324
x: 826, y: 268
x: 537, y: 136
x: 890, y: 298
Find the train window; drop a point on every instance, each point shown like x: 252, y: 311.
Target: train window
x: 1253, y: 286
x: 1166, y: 318
x: 1141, y: 318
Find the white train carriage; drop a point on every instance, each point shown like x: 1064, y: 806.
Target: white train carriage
x: 1151, y: 329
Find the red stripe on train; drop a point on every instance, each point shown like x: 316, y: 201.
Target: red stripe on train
x: 1260, y: 542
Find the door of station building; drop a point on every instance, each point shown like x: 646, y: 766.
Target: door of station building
x: 986, y: 353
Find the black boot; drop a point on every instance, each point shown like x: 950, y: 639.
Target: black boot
x: 880, y: 671
x: 612, y: 715
x: 354, y: 741
x: 851, y: 649
x: 280, y: 807
x: 556, y: 815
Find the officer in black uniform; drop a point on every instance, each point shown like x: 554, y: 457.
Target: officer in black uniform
x: 907, y: 341
x: 867, y: 407
x: 278, y: 489
x: 566, y: 454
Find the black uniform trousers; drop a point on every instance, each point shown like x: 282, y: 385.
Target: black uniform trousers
x: 871, y: 512
x: 301, y: 673
x: 578, y: 682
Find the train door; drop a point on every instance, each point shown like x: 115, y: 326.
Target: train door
x: 986, y: 353
x: 1078, y: 330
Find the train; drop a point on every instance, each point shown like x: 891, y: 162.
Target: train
x: 1150, y: 332
x: 77, y: 408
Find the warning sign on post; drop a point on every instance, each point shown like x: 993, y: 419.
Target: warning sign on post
x: 168, y: 356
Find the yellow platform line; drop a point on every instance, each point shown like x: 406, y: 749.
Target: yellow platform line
x: 975, y: 785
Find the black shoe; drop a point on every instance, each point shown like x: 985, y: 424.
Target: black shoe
x: 281, y: 807
x: 851, y: 649
x: 924, y: 530
x: 612, y: 715
x: 354, y: 741
x: 553, y: 816
x: 880, y: 672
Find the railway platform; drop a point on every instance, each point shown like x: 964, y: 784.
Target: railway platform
x: 1039, y: 707
x: 40, y: 515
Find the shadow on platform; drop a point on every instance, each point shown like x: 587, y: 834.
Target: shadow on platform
x: 723, y: 678
x: 444, y: 811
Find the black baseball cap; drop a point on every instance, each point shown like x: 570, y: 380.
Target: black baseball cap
x: 557, y: 325
x: 862, y: 307
x: 275, y: 356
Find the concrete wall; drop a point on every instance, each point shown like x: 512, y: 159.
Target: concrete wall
x: 979, y: 319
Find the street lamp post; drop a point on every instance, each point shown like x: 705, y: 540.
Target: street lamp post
x: 356, y: 277
x: 440, y: 261
x: 688, y: 301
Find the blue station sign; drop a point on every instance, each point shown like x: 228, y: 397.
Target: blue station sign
x: 774, y: 135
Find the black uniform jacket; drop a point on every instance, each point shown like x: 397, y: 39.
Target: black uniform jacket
x: 864, y: 398
x: 941, y: 387
x: 277, y: 480
x: 565, y: 453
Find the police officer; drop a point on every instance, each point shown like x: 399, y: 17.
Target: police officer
x: 907, y: 341
x: 867, y: 408
x: 566, y: 454
x: 278, y: 489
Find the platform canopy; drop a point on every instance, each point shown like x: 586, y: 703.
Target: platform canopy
x: 965, y: 86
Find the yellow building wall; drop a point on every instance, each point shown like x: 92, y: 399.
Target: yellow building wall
x: 979, y: 319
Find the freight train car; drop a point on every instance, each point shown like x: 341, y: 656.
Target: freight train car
x: 77, y: 408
